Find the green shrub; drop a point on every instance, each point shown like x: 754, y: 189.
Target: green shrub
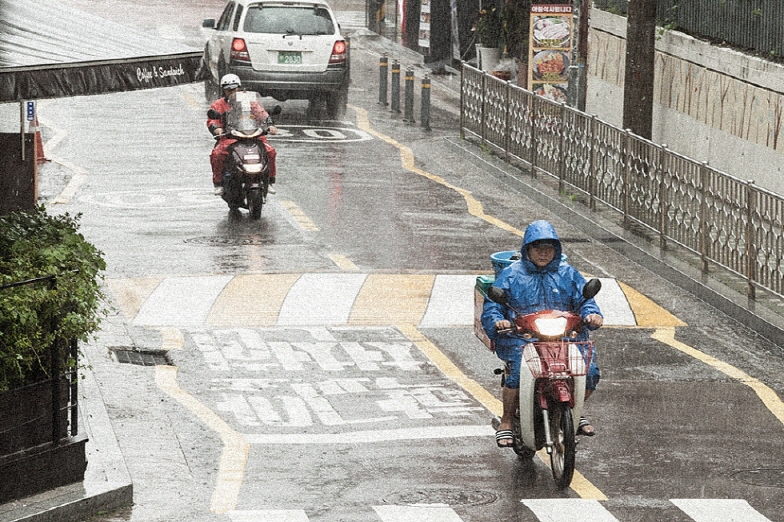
x: 34, y: 244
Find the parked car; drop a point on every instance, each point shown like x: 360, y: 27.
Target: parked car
x: 283, y: 49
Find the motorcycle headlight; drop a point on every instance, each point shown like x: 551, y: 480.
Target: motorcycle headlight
x: 253, y: 168
x: 551, y: 327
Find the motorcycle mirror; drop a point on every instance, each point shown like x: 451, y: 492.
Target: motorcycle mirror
x: 592, y: 288
x: 214, y: 115
x: 275, y: 110
x: 497, y: 295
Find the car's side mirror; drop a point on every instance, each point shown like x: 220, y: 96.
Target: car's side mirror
x: 208, y: 23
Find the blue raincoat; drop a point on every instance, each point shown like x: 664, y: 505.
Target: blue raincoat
x: 557, y: 286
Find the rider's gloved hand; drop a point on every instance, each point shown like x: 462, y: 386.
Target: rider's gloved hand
x: 272, y: 129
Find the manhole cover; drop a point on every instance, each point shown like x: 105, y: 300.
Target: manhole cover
x: 448, y: 496
x: 128, y: 356
x: 230, y: 241
x: 771, y: 477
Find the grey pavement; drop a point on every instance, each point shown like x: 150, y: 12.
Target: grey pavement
x: 108, y: 485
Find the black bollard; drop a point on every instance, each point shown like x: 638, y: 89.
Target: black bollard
x: 409, y: 112
x: 425, y: 112
x: 395, y: 86
x: 383, y: 69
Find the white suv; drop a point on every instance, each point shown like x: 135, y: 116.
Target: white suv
x: 280, y: 48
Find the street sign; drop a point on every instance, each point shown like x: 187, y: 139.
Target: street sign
x: 30, y: 110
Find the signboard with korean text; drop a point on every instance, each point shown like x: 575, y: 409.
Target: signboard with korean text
x: 424, y: 25
x: 550, y: 50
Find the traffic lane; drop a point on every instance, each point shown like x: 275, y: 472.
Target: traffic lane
x: 364, y: 412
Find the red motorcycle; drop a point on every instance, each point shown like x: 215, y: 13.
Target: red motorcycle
x: 552, y: 391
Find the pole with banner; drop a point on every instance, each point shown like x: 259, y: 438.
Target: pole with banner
x: 550, y: 50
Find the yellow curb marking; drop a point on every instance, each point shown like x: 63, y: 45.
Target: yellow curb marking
x: 767, y: 395
x: 234, y: 457
x: 648, y: 314
x: 344, y: 263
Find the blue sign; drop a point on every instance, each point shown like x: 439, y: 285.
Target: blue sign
x: 30, y: 111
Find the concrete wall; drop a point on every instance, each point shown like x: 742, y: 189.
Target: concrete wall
x: 711, y: 104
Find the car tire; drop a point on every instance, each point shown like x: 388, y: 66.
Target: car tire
x: 336, y: 104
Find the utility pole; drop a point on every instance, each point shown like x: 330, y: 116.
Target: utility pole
x: 638, y: 78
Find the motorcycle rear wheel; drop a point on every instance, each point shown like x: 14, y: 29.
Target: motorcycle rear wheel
x: 562, y: 458
x: 255, y: 201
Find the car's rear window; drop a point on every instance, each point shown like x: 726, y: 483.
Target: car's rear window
x: 288, y: 20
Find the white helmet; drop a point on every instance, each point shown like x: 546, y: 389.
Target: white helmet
x: 230, y: 81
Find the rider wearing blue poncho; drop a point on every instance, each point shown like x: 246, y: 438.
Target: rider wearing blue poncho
x: 540, y: 280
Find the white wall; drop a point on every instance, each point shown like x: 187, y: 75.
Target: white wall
x: 712, y: 104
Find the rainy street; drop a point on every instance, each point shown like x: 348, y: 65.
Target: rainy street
x: 320, y: 364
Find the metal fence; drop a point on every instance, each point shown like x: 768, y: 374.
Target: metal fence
x: 721, y: 219
x: 749, y: 24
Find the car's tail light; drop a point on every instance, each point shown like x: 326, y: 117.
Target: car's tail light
x: 239, y: 51
x: 339, y: 52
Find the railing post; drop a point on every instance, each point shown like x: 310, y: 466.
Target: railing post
x: 664, y: 156
x: 560, y: 153
x: 462, y: 101
x: 703, y: 222
x: 484, y: 108
x: 54, y: 370
x: 751, y: 251
x: 507, y: 133
x: 74, y: 388
x: 627, y: 174
x: 534, y: 148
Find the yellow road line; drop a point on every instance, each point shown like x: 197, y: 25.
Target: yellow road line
x: 767, y: 395
x: 234, y: 457
x: 299, y: 216
x: 648, y: 314
x: 409, y: 163
x: 343, y: 262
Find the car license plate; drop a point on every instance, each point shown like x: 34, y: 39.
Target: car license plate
x: 289, y: 57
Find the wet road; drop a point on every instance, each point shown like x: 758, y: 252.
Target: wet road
x: 320, y: 364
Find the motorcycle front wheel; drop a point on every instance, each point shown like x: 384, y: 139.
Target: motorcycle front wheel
x: 564, y: 444
x: 255, y: 202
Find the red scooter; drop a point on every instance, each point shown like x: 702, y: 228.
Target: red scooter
x: 552, y: 391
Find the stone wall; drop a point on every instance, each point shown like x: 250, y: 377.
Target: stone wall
x: 711, y: 103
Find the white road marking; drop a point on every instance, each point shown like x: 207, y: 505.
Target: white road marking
x: 320, y: 299
x: 181, y: 301
x: 614, y: 305
x: 451, y: 301
x: 418, y: 513
x: 364, y: 437
x: 719, y: 510
x: 269, y: 515
x: 569, y: 510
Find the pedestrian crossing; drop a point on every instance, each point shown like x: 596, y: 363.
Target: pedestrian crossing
x: 544, y: 510
x: 337, y: 299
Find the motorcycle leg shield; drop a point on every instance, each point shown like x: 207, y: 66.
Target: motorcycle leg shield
x: 527, y: 397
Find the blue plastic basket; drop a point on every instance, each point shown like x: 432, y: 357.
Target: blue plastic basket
x: 502, y: 260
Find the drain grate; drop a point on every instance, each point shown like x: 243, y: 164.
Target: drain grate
x: 229, y: 241
x: 449, y: 496
x: 153, y: 358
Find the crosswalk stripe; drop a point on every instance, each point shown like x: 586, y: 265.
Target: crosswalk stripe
x: 451, y: 301
x: 251, y: 300
x: 419, y: 513
x: 366, y: 437
x: 396, y: 298
x: 569, y: 510
x: 320, y: 299
x: 181, y: 301
x: 719, y: 510
x: 613, y: 303
x: 269, y: 515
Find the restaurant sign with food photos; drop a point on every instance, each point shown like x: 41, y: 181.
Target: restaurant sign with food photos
x: 550, y: 50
